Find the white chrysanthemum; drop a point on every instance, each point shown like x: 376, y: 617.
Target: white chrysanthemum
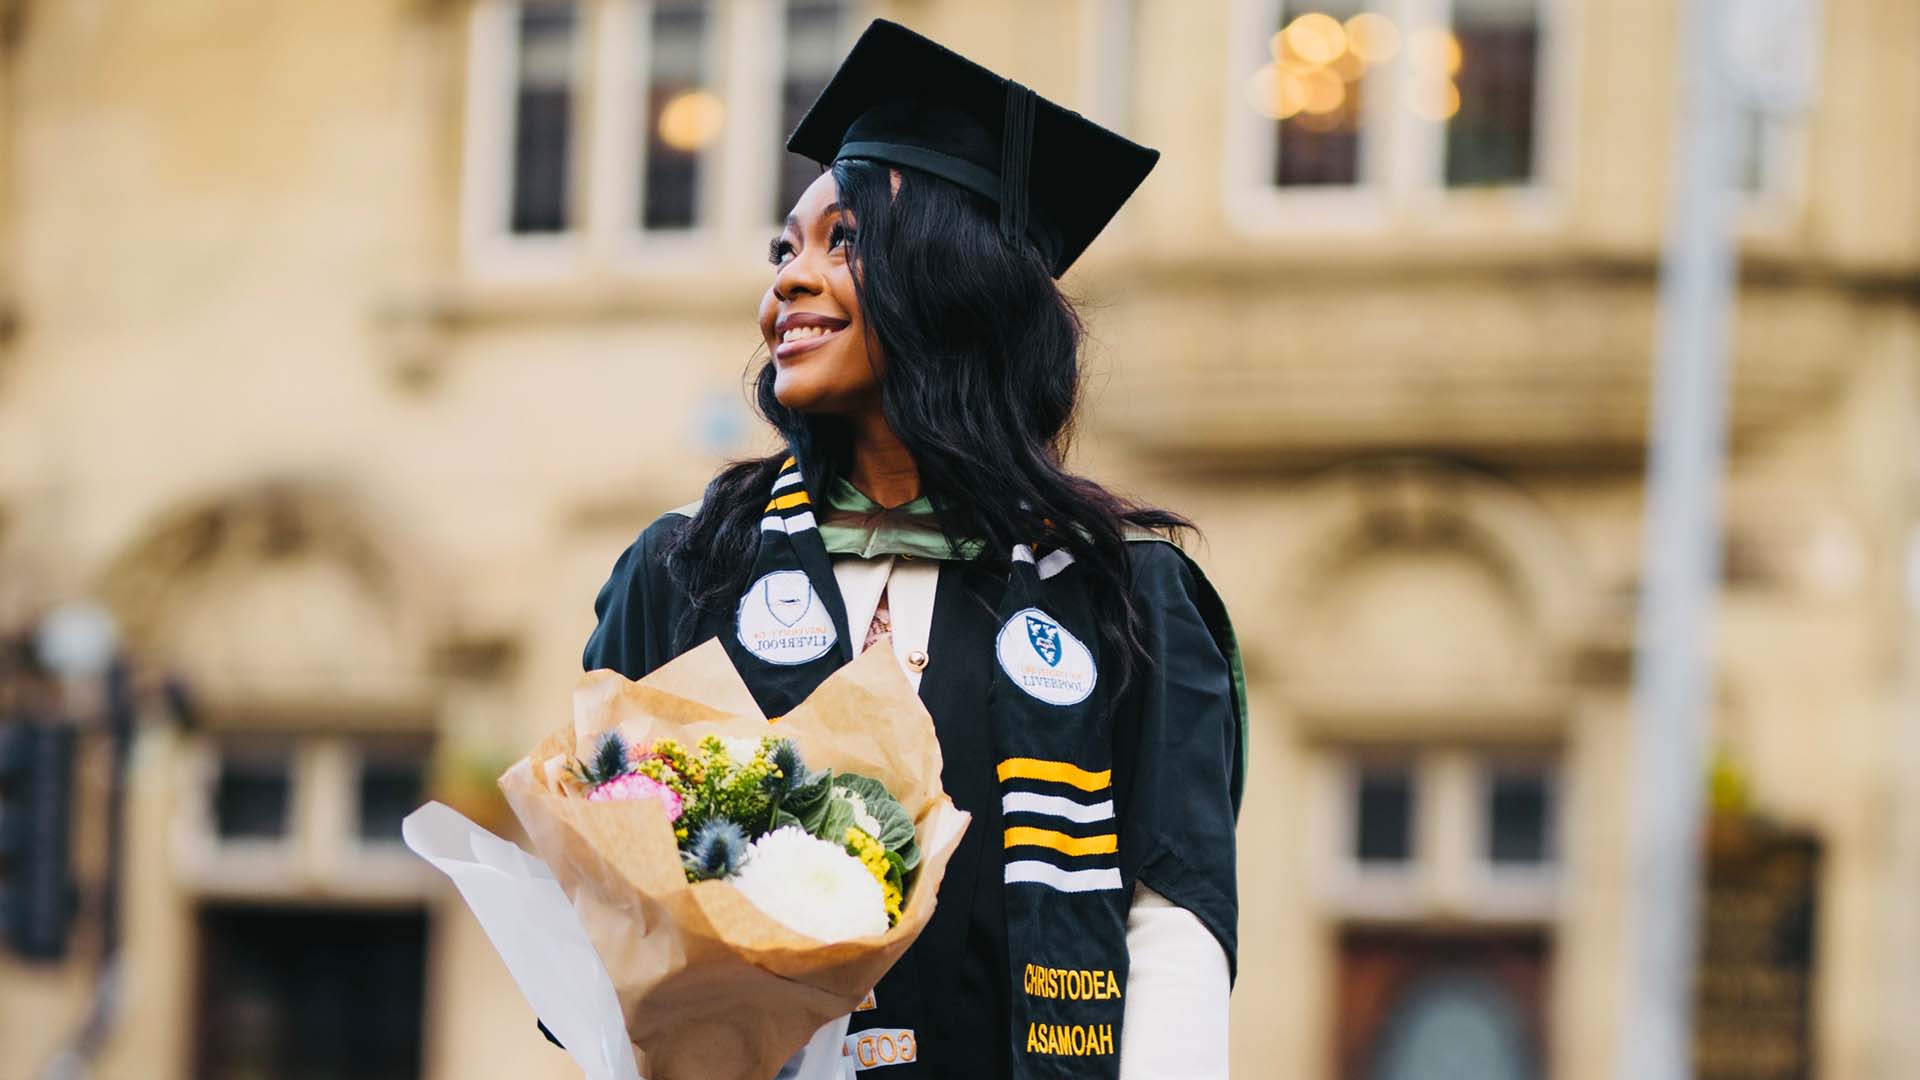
x: 811, y: 886
x: 740, y: 748
x: 865, y: 820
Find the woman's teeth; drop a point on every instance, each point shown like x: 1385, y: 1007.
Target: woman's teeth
x: 801, y: 333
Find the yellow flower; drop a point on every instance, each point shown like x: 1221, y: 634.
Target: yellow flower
x: 873, y: 855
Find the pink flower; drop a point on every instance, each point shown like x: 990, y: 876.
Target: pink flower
x: 636, y: 786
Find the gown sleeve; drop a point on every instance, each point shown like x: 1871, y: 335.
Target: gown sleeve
x: 630, y: 635
x: 1183, y: 750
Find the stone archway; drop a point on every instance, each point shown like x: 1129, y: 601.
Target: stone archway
x: 1431, y: 582
x: 276, y: 594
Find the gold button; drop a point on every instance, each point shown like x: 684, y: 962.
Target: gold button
x: 917, y: 660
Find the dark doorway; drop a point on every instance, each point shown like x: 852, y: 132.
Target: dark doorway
x: 310, y: 994
x: 1442, y: 1005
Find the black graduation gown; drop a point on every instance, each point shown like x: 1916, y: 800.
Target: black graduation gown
x: 1177, y: 771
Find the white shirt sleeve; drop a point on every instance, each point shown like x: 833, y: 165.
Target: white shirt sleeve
x: 1175, y: 1024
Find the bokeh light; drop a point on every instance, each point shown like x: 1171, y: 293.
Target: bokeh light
x: 1276, y: 92
x: 1434, y: 98
x: 1322, y: 91
x: 1373, y: 37
x: 691, y: 120
x: 1316, y: 37
x: 1437, y: 51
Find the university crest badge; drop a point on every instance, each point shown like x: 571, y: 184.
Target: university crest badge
x: 782, y: 621
x: 1045, y: 636
x: 1044, y: 659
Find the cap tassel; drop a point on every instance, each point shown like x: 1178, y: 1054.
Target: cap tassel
x: 1016, y: 155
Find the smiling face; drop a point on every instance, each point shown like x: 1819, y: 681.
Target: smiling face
x: 810, y: 316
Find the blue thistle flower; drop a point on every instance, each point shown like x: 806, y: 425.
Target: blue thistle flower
x: 609, y: 759
x: 715, y: 850
x: 789, y: 772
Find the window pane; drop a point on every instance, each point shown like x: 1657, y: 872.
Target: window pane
x: 1384, y: 819
x: 543, y: 118
x: 250, y: 799
x: 389, y: 791
x: 815, y: 31
x: 1517, y: 819
x: 310, y: 994
x: 1490, y: 136
x: 1314, y: 89
x: 683, y: 116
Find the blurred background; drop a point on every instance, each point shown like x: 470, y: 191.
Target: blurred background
x: 344, y: 344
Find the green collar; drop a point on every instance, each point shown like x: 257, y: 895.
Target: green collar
x: 853, y: 524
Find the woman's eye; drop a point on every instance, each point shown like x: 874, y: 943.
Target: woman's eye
x: 838, y: 236
x: 779, y: 251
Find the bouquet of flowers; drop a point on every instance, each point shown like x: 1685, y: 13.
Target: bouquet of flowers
x: 713, y: 892
x: 828, y: 856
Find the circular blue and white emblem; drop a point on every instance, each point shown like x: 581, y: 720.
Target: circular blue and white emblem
x: 1043, y: 659
x: 782, y: 621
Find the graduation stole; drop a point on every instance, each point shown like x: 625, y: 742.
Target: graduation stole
x: 1065, y: 900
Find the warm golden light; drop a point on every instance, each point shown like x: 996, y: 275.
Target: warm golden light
x: 1349, y: 66
x: 1322, y: 91
x: 1437, y: 52
x: 1316, y: 37
x: 691, y: 119
x: 1434, y: 98
x: 1373, y: 37
x: 1276, y: 92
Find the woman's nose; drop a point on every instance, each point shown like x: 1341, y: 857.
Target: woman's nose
x: 799, y: 275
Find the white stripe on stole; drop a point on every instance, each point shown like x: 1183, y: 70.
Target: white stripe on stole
x: 798, y: 523
x: 1022, y: 553
x: 1035, y: 872
x: 1054, y: 562
x: 1027, y: 802
x: 786, y: 480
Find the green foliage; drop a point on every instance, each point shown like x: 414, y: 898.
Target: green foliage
x: 896, y: 828
x: 720, y: 788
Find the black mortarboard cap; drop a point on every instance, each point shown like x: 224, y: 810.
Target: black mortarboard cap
x: 902, y: 99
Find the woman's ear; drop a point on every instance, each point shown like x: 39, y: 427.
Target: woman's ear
x: 893, y: 182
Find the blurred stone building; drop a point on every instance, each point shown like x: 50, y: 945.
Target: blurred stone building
x: 348, y: 343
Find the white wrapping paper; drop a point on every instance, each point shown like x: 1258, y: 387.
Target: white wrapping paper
x: 539, y: 935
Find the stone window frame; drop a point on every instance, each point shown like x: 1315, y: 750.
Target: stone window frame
x: 1449, y: 874
x: 321, y: 854
x: 739, y: 175
x: 1409, y: 189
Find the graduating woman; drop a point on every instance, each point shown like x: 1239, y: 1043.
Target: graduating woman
x: 1081, y: 673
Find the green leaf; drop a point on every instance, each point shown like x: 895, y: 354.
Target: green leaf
x: 836, y: 817
x: 896, y: 872
x: 896, y: 828
x: 809, y: 797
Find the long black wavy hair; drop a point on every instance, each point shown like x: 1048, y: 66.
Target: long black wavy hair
x: 981, y: 383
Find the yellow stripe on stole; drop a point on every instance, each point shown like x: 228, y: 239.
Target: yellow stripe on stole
x: 1026, y: 768
x: 1027, y: 836
x: 797, y: 498
x: 789, y: 463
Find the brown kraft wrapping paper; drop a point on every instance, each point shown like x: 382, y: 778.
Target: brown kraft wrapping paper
x: 711, y: 987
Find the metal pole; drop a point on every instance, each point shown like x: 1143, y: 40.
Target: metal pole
x: 1672, y: 663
